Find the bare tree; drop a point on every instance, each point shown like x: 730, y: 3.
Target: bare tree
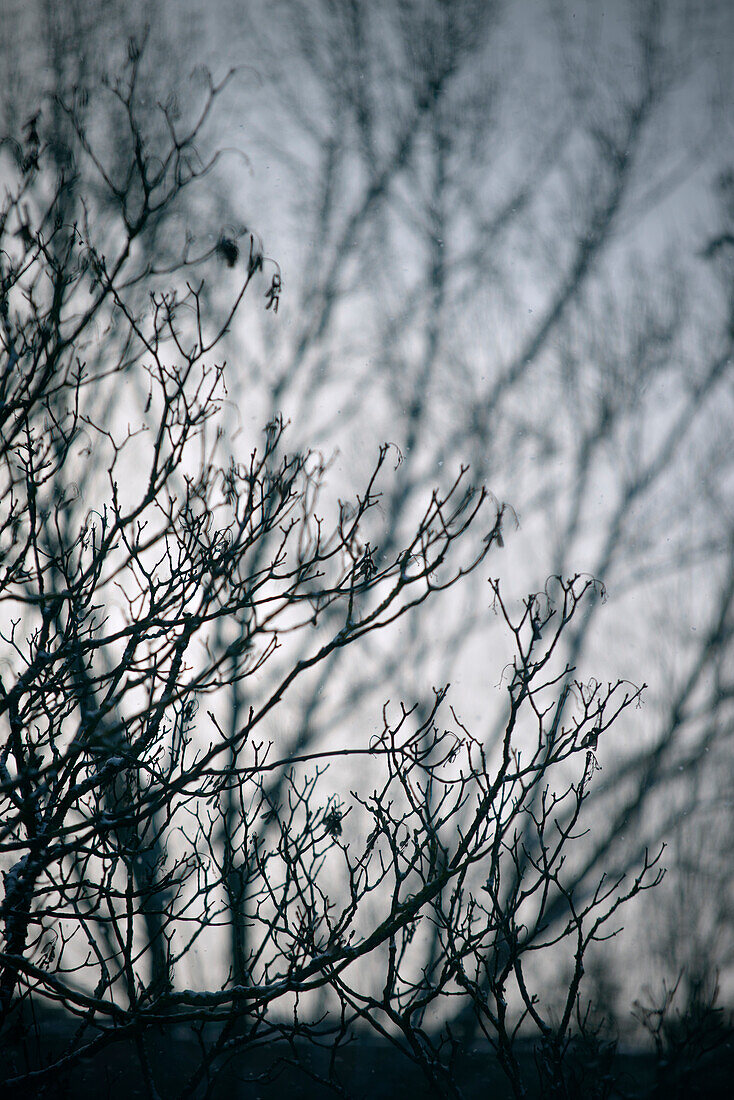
x: 469, y: 275
x: 150, y: 575
x: 116, y: 159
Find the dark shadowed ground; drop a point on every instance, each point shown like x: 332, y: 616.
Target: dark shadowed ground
x: 364, y: 1069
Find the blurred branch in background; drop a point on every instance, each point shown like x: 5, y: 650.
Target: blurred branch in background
x: 507, y: 234
x: 467, y: 205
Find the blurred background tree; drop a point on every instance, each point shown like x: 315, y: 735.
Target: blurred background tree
x: 502, y: 232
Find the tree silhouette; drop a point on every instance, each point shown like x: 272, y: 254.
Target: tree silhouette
x: 164, y: 597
